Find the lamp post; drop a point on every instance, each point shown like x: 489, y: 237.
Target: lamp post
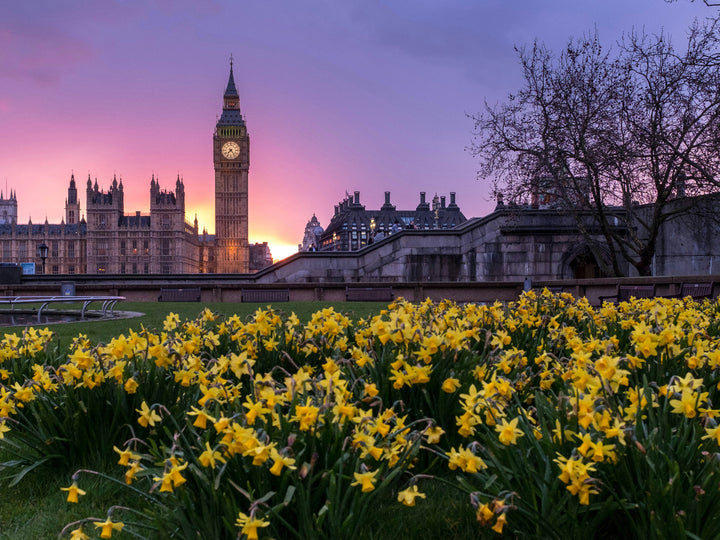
x: 42, y: 252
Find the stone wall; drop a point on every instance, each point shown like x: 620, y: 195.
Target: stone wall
x: 507, y: 245
x: 690, y: 243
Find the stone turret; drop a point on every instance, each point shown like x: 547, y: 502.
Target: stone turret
x: 8, y: 208
x: 112, y: 200
x: 72, y: 203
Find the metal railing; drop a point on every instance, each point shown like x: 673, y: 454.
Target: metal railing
x: 107, y: 303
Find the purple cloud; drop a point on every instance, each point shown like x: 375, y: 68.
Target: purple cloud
x: 39, y: 53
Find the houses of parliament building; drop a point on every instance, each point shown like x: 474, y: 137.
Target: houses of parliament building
x: 108, y: 241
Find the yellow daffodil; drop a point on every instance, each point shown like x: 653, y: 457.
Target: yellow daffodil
x: 433, y: 434
x: 125, y: 456
x: 249, y: 525
x: 201, y: 418
x: 131, y: 473
x: 210, y: 457
x: 78, y: 534
x: 465, y: 460
x: 450, y: 384
x: 712, y: 433
x: 148, y: 417
x: 306, y: 415
x: 131, y: 386
x: 499, y: 524
x: 108, y: 526
x: 500, y: 339
x: 408, y: 496
x: 366, y: 480
x: 171, y: 322
x: 280, y: 461
x: 687, y: 404
x: 73, y: 492
x: 508, y: 431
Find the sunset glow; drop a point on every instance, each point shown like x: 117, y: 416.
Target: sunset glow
x: 338, y: 97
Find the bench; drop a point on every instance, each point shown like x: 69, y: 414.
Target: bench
x: 695, y: 291
x: 625, y: 292
x: 369, y: 294
x: 265, y: 295
x: 107, y: 307
x: 187, y: 294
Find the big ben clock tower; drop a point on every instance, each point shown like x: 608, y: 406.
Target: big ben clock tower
x: 231, y: 157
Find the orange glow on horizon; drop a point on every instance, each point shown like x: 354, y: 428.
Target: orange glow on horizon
x: 279, y: 248
x: 205, y: 216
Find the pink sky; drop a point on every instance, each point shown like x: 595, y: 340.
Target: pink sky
x: 338, y: 96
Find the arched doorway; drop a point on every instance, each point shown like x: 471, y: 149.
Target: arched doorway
x: 580, y: 263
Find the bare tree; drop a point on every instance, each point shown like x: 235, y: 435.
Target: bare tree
x: 618, y: 139
x: 708, y: 3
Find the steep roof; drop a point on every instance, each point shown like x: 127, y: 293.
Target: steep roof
x: 231, y: 90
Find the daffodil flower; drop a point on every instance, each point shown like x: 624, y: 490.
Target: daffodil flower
x: 280, y: 461
x: 131, y: 386
x: 210, y: 457
x: 78, y: 534
x: 249, y: 525
x: 508, y: 431
x: 108, y: 526
x: 148, y: 417
x: 73, y: 492
x: 366, y: 480
x: 125, y: 456
x: 433, y: 434
x: 450, y: 384
x: 132, y: 472
x: 408, y: 496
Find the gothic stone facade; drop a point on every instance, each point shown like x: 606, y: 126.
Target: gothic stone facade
x: 161, y: 243
x: 352, y: 226
x: 231, y: 157
x: 108, y: 241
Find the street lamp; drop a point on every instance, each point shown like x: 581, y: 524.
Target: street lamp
x: 42, y: 252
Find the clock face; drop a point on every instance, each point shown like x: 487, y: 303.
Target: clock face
x: 230, y: 150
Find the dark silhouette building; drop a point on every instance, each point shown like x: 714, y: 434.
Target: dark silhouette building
x: 353, y: 227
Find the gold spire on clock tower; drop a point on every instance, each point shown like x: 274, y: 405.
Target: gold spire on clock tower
x: 231, y: 158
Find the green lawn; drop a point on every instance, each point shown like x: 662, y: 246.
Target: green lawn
x: 153, y: 314
x: 36, y: 509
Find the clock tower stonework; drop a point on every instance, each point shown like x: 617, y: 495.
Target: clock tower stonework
x: 231, y: 158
